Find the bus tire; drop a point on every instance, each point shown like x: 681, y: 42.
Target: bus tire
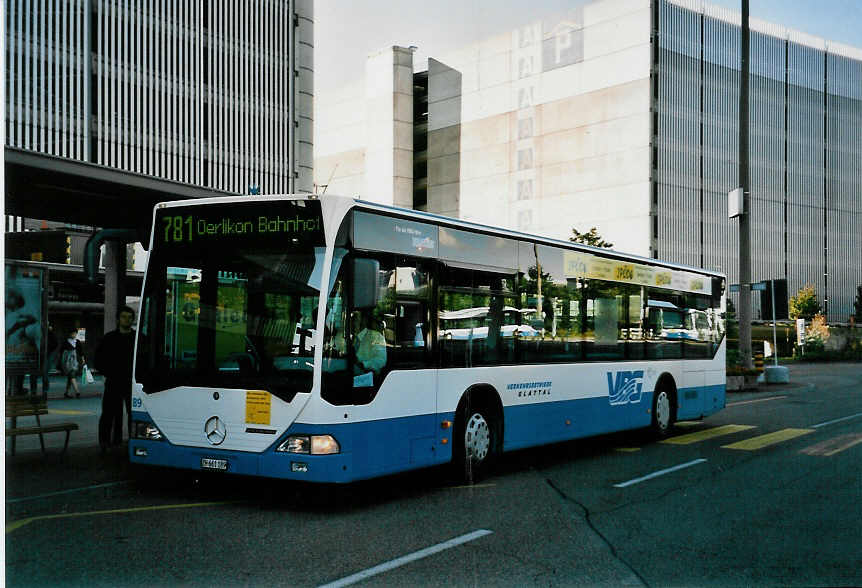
x: 476, y: 440
x: 663, y: 409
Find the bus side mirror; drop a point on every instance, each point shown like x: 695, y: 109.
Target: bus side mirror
x: 365, y: 291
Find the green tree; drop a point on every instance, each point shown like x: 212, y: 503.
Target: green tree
x: 591, y: 237
x: 804, y: 304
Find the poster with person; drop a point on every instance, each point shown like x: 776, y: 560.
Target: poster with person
x: 24, y: 313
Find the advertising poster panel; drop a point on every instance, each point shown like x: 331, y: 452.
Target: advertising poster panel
x: 25, y: 310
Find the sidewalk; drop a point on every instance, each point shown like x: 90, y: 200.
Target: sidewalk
x: 58, y: 386
x: 83, y: 469
x: 81, y: 472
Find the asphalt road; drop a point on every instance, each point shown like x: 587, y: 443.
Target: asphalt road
x: 767, y: 492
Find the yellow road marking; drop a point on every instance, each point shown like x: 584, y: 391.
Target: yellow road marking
x: 15, y: 525
x: 706, y: 434
x: 68, y: 412
x: 833, y: 446
x: 768, y: 439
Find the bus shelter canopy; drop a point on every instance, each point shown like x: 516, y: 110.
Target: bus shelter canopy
x: 58, y: 189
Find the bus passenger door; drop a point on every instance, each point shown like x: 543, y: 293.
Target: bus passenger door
x: 405, y: 314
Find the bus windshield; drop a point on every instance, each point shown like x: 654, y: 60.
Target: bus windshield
x: 230, y: 313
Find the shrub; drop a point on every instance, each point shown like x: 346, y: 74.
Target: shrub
x: 817, y: 332
x: 804, y: 304
x: 815, y: 350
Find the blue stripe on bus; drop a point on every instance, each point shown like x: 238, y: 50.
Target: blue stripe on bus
x: 708, y: 400
x: 529, y: 425
x: 374, y: 448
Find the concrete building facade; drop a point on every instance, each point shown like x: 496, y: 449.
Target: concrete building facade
x: 623, y: 115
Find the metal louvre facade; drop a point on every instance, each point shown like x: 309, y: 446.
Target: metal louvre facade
x: 805, y: 150
x: 215, y: 93
x: 843, y: 181
x: 47, y: 98
x: 679, y: 136
x: 720, y: 140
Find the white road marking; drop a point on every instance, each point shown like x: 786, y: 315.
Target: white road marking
x: 847, y: 418
x: 392, y: 564
x: 659, y: 473
x: 755, y: 401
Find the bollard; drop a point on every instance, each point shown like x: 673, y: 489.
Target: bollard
x: 758, y: 362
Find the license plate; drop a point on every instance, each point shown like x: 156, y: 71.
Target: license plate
x: 213, y: 464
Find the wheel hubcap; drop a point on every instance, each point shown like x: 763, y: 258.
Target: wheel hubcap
x: 477, y: 438
x: 662, y: 410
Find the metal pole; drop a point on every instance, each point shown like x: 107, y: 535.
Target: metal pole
x: 774, y: 335
x: 115, y: 277
x: 744, y: 227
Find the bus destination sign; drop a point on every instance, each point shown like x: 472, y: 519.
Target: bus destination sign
x: 253, y: 223
x: 179, y: 228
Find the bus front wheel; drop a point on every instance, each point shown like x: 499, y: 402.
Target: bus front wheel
x: 474, y: 443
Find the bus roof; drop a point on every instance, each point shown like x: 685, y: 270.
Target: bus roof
x: 502, y: 232
x: 455, y: 223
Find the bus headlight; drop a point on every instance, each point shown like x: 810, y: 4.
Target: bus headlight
x: 310, y: 444
x: 142, y: 430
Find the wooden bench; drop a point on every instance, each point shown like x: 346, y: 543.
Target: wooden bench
x: 33, y: 406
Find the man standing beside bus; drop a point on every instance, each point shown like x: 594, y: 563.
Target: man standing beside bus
x: 114, y: 359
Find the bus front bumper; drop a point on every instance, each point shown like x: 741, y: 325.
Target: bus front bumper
x: 335, y: 468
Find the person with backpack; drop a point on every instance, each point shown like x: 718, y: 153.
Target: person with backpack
x: 71, y: 362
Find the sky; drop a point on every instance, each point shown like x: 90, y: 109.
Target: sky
x: 346, y: 31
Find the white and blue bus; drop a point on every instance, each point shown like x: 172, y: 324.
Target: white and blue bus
x: 333, y: 340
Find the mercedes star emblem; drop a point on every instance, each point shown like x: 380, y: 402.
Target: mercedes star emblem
x: 215, y: 431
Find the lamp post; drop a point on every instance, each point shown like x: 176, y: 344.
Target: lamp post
x: 744, y: 217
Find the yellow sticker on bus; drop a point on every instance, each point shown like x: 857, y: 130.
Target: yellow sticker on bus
x: 258, y: 404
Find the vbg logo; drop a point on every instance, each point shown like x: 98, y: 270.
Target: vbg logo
x: 626, y: 388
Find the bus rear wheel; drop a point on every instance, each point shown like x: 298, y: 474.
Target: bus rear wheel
x: 662, y: 411
x: 474, y: 443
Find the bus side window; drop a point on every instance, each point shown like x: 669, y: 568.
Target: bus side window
x: 665, y: 322
x: 477, y: 318
x: 457, y: 319
x: 552, y: 330
x: 696, y: 342
x: 412, y: 292
x: 403, y: 310
x: 634, y: 331
x: 606, y: 309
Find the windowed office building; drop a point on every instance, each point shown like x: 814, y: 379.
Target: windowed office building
x: 624, y: 115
